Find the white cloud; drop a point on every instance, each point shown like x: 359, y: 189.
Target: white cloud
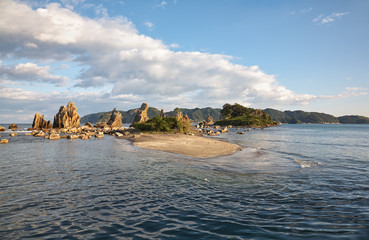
x: 150, y: 25
x: 111, y: 53
x: 30, y: 72
x: 348, y: 92
x: 302, y: 11
x: 321, y: 19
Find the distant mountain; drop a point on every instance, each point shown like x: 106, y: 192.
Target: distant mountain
x: 200, y: 114
x: 353, y: 119
x: 313, y: 117
x: 300, y: 117
x: 197, y: 115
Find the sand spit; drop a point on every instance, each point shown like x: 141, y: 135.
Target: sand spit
x: 194, y: 146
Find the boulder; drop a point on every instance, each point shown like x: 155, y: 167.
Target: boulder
x: 2, y: 129
x: 99, y: 135
x: 39, y: 134
x: 54, y: 136
x: 101, y: 125
x: 67, y: 117
x: 13, y: 126
x: 40, y: 123
x: 118, y: 134
x: 141, y: 115
x: 89, y: 125
x: 4, y: 141
x: 115, y: 120
x: 84, y: 136
x: 13, y: 134
x: 72, y: 136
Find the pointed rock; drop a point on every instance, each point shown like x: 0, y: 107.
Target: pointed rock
x: 67, y: 117
x: 39, y: 122
x: 13, y: 126
x: 141, y: 115
x: 115, y: 119
x: 162, y: 113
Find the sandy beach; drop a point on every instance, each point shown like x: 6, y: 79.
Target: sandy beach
x: 194, y: 146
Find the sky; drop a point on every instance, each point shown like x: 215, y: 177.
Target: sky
x: 309, y: 55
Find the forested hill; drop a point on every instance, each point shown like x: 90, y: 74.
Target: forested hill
x: 197, y: 114
x: 200, y: 114
x: 294, y: 117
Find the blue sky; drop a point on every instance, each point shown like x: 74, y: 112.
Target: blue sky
x: 289, y: 55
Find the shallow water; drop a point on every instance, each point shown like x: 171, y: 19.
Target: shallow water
x: 288, y: 182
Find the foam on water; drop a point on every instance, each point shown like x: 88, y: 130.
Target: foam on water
x: 306, y: 164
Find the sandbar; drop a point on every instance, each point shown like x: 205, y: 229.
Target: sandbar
x: 194, y: 146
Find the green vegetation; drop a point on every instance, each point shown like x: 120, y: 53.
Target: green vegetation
x: 238, y: 115
x: 166, y: 124
x: 296, y: 117
x: 353, y: 119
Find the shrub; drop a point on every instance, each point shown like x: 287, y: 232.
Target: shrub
x: 166, y: 124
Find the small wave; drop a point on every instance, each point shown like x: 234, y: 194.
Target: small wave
x: 304, y: 163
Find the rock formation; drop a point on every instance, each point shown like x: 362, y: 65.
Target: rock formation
x: 13, y: 126
x: 115, y: 119
x: 141, y: 115
x: 67, y: 117
x: 162, y: 113
x: 186, y: 118
x: 178, y: 114
x: 209, y: 120
x: 39, y: 122
x: 2, y: 129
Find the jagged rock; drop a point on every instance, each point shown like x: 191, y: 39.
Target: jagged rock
x: 89, y: 125
x: 115, y: 119
x: 141, y: 115
x: 67, y: 117
x: 13, y: 126
x: 186, y: 118
x: 54, y: 136
x: 2, y: 129
x: 162, y: 113
x: 39, y: 122
x: 4, y: 141
x: 178, y: 114
x: 209, y: 120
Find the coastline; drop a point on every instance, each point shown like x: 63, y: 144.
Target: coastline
x: 193, y: 146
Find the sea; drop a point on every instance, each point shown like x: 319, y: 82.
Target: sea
x: 287, y: 182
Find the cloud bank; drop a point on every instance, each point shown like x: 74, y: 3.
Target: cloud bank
x: 111, y: 54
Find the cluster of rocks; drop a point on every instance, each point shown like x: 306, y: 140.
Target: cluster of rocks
x: 211, y: 130
x: 208, y: 122
x: 67, y: 125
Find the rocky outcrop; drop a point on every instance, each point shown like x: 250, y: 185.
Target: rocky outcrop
x: 162, y: 113
x: 67, y: 117
x: 115, y: 119
x: 141, y: 115
x: 89, y: 125
x: 209, y: 120
x: 2, y: 129
x: 178, y: 114
x: 186, y: 118
x: 40, y: 123
x: 13, y: 126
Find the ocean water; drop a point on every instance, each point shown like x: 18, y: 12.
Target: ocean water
x: 288, y: 182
